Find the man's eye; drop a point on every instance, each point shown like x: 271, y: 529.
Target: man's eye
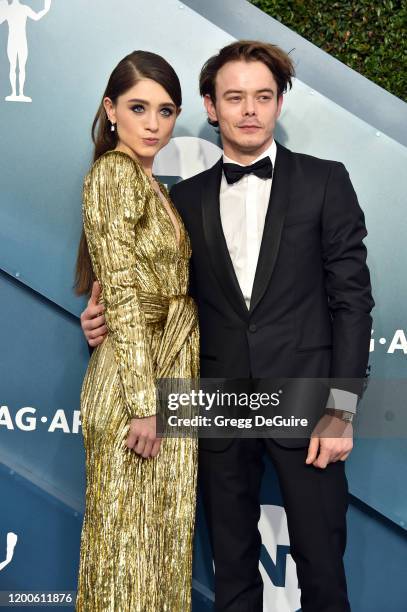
x: 265, y: 97
x: 234, y: 99
x: 137, y: 108
x: 167, y: 112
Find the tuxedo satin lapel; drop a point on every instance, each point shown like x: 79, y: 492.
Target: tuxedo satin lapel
x: 273, y: 225
x: 216, y: 241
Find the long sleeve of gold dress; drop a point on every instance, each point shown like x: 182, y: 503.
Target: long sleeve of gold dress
x: 136, y: 544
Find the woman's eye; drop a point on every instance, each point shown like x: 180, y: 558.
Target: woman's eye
x: 137, y: 108
x: 167, y: 112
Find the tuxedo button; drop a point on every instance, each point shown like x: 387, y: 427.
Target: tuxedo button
x: 253, y: 327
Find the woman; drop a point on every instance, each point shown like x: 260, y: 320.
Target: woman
x: 136, y: 545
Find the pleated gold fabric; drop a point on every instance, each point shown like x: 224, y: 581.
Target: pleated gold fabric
x: 136, y: 544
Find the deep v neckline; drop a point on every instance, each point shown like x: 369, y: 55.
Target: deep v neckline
x: 174, y: 228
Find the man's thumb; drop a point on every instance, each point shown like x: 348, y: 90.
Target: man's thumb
x: 94, y: 298
x: 312, y: 450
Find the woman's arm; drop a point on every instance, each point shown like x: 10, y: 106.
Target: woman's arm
x: 114, y: 197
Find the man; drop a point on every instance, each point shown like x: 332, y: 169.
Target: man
x: 279, y: 275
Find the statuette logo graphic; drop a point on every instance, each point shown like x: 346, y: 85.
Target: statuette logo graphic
x: 16, y: 14
x: 11, y: 543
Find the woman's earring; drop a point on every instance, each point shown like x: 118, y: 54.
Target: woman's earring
x: 113, y: 128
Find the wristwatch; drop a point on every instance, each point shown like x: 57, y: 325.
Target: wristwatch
x: 344, y: 415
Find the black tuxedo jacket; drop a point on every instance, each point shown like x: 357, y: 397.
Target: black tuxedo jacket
x: 310, y: 308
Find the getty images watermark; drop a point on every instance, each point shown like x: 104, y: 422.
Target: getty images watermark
x: 202, y: 400
x: 282, y: 408
x: 223, y: 408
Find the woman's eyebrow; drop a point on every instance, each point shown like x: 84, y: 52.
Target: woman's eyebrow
x: 139, y: 100
x: 146, y: 102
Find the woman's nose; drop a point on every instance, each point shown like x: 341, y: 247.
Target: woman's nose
x: 152, y: 122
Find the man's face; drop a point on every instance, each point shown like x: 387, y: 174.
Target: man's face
x: 246, y: 107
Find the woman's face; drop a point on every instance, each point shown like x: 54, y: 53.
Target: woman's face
x: 144, y: 118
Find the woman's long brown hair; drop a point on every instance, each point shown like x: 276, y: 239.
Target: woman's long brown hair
x: 132, y: 68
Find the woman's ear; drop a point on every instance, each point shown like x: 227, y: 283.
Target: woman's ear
x: 110, y: 109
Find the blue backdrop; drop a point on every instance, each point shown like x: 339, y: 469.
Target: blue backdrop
x: 45, y: 152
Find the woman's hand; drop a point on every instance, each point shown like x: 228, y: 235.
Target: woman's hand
x: 142, y: 437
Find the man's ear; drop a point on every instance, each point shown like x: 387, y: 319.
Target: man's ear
x: 279, y: 104
x: 210, y: 107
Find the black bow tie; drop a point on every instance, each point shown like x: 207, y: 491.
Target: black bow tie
x: 262, y: 169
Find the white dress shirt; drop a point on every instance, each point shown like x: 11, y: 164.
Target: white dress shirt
x: 243, y: 208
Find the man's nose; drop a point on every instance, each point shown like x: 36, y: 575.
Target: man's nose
x: 249, y: 107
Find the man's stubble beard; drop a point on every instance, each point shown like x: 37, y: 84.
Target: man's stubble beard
x: 247, y: 148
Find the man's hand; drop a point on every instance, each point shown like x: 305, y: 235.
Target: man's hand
x: 333, y: 438
x: 142, y: 437
x: 93, y: 320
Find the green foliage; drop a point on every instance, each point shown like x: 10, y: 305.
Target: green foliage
x: 370, y: 37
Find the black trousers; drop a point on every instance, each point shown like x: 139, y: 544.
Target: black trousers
x: 315, y: 502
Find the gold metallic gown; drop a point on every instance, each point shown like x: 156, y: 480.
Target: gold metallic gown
x: 136, y: 545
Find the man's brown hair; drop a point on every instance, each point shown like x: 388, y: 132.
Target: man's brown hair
x: 276, y: 60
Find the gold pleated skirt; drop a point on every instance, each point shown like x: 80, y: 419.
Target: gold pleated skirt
x: 137, y: 535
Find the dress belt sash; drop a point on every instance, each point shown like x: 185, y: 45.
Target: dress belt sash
x: 180, y: 317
